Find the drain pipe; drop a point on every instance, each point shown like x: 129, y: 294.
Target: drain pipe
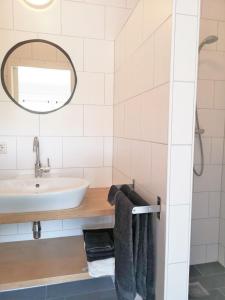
x: 37, y: 230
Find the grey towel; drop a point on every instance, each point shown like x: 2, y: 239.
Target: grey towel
x: 143, y: 248
x: 112, y: 194
x: 123, y: 238
x: 134, y: 251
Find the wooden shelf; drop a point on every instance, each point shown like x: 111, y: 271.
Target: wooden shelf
x: 42, y: 262
x: 94, y: 205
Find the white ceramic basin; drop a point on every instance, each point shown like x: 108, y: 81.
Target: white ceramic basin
x: 41, y: 194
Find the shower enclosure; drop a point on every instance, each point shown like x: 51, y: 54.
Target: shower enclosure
x: 207, y: 273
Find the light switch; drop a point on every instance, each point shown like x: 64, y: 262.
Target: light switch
x: 3, y: 148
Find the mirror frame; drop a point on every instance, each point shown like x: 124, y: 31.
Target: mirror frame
x: 11, y: 50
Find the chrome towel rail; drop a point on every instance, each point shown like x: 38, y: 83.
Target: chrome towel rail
x: 149, y: 209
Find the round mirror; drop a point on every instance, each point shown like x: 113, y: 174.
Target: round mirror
x: 38, y: 76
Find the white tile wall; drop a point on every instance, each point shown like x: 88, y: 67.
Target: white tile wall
x: 184, y: 80
x: 141, y: 108
x: 185, y: 61
x: 177, y: 281
x: 6, y: 14
x: 50, y: 18
x: 77, y: 138
x: 211, y: 114
x: 184, y: 99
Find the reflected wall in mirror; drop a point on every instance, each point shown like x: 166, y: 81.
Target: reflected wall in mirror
x: 39, y: 76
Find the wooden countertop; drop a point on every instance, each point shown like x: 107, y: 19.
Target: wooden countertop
x: 94, y: 205
x: 42, y: 262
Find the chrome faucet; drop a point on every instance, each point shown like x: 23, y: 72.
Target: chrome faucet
x: 38, y: 169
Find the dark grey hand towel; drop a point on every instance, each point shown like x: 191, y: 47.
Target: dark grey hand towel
x: 96, y: 241
x: 112, y: 194
x: 99, y: 244
x: 123, y: 238
x: 143, y: 248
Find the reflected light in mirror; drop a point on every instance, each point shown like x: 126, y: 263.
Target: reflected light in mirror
x: 38, y: 3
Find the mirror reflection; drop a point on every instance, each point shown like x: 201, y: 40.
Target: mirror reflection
x: 38, y: 76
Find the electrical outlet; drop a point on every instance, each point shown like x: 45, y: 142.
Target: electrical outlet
x: 3, y: 148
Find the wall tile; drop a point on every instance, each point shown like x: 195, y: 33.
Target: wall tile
x: 51, y: 147
x: 214, y: 204
x: 189, y: 7
x: 155, y: 13
x: 163, y: 53
x: 198, y: 254
x: 221, y: 34
x: 98, y: 177
x: 221, y: 256
x: 132, y: 3
x: 217, y: 151
x: 210, y: 180
x: 207, y: 146
x: 159, y: 170
x: 212, y: 253
x: 108, y: 151
x: 185, y: 49
x: 25, y: 154
x: 205, y: 231
x: 133, y: 30
x: 72, y: 45
x: 183, y: 103
x: 9, y: 38
x: 82, y: 152
x: 99, y: 56
x: 98, y: 121
x: 212, y: 121
x: 114, y: 20
x: 212, y: 65
x: 200, y: 205
x: 205, y: 94
x: 90, y: 89
x: 11, y: 114
x: 154, y: 123
x: 119, y: 119
x: 77, y: 14
x: 181, y: 175
x: 8, y: 229
x: 141, y: 164
x: 109, y: 89
x: 222, y: 205
x: 29, y: 19
x: 220, y: 94
x: 8, y: 160
x: 67, y: 121
x: 6, y: 14
x: 221, y: 232
x: 177, y: 281
x: 213, y: 9
x: 179, y: 235
x: 132, y: 122
x: 123, y: 156
x: 120, y: 3
x: 137, y: 75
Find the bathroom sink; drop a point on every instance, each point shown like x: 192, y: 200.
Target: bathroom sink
x: 41, y: 194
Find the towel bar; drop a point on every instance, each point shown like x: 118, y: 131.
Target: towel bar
x: 149, y: 209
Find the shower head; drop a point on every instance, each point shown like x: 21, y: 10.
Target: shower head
x: 208, y: 40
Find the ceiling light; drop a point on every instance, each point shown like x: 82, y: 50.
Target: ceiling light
x: 38, y: 3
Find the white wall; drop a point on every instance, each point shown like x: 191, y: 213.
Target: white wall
x: 211, y: 109
x: 77, y: 138
x: 154, y: 105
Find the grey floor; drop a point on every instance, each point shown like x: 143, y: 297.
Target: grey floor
x: 94, y: 289
x: 212, y: 277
